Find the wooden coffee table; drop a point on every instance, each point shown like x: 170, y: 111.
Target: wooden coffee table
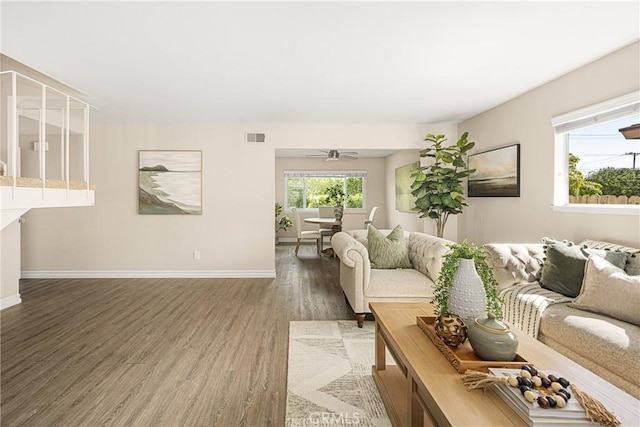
x: 424, y: 389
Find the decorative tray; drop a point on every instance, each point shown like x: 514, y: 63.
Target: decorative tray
x: 463, y: 357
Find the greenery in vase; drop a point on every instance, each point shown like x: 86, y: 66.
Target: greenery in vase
x: 450, y: 264
x: 284, y: 223
x: 438, y: 187
x: 336, y: 195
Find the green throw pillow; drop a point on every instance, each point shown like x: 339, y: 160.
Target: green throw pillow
x: 388, y: 251
x: 563, y: 268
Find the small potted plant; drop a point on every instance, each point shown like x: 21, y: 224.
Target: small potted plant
x: 282, y: 222
x: 465, y: 289
x: 336, y: 198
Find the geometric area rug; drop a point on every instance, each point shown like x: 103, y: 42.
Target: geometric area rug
x: 329, y: 380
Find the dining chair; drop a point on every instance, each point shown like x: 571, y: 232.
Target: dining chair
x: 300, y: 234
x: 325, y: 212
x: 372, y: 214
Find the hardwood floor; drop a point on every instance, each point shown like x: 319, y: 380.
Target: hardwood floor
x: 160, y: 352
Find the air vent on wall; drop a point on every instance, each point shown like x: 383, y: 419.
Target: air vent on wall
x: 254, y: 138
x: 36, y: 145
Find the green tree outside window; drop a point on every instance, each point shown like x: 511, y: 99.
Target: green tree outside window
x: 578, y: 184
x: 319, y: 191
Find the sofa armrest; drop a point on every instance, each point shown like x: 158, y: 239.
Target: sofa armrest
x: 342, y: 243
x: 352, y: 253
x: 355, y: 269
x: 514, y: 263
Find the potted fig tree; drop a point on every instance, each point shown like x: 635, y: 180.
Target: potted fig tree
x: 437, y: 187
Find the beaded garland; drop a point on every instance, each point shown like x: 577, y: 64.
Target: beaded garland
x: 594, y: 409
x: 548, y: 391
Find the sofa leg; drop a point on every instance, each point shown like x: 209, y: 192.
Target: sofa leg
x: 360, y: 319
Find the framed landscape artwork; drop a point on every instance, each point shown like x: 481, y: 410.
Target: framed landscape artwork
x: 405, y: 201
x: 497, y: 173
x: 170, y: 182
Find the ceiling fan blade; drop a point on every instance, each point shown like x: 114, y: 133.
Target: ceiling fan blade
x: 348, y: 152
x: 347, y: 156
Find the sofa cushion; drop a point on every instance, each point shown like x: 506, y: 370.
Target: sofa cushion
x: 563, y: 268
x: 361, y: 235
x: 514, y: 263
x: 633, y: 265
x: 610, y: 291
x: 386, y: 283
x: 603, y: 340
x: 633, y: 262
x: 388, y: 251
x: 616, y: 254
x: 426, y: 253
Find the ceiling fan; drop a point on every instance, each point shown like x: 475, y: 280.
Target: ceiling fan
x: 333, y: 155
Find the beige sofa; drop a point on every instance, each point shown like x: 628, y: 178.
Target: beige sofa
x: 606, y: 346
x: 362, y: 284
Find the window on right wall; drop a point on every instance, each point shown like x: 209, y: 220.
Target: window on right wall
x: 596, y: 168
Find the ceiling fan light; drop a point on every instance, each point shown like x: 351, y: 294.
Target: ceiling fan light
x: 331, y: 159
x: 333, y: 155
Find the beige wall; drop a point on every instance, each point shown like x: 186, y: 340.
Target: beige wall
x: 112, y: 236
x: 235, y: 232
x: 526, y: 120
x: 10, y: 264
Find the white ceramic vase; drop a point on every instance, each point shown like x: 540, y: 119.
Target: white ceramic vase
x: 466, y: 297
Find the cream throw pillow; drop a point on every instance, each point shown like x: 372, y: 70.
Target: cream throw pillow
x: 608, y: 290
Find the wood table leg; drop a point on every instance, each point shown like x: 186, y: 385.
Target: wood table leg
x: 381, y: 351
x: 415, y: 413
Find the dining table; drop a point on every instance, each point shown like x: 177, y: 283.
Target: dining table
x: 333, y: 223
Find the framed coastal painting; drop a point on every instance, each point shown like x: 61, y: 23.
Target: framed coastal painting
x: 497, y: 173
x: 169, y: 182
x: 405, y: 201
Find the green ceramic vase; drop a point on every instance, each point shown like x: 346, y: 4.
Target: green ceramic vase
x: 492, y: 339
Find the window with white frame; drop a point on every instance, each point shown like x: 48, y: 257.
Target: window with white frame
x: 596, y: 167
x: 312, y: 189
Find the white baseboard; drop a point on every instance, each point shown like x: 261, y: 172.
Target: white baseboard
x: 152, y: 274
x: 288, y: 240
x: 10, y: 301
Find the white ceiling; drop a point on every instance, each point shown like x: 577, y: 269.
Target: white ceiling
x: 225, y: 62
